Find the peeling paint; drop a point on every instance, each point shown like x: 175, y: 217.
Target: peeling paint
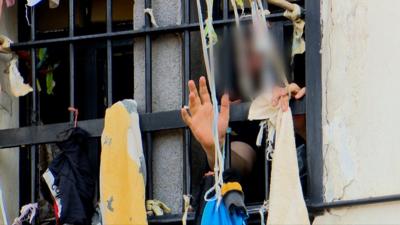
x: 360, y: 108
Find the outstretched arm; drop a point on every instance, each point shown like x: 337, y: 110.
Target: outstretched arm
x: 199, y: 117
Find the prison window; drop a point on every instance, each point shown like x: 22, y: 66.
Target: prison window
x: 88, y: 48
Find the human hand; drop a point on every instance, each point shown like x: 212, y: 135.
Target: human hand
x: 281, y: 97
x: 199, y: 117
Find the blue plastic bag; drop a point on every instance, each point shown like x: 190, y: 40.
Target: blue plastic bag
x: 219, y: 215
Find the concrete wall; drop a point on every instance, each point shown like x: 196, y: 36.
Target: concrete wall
x: 9, y: 158
x: 167, y: 95
x: 360, y: 72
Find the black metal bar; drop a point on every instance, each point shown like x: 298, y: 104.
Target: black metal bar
x: 133, y: 33
x: 313, y: 208
x: 354, y: 202
x: 34, y: 112
x: 149, y: 102
x: 109, y: 54
x: 228, y: 148
x: 71, y: 22
x: 227, y: 75
x: 186, y: 77
x: 314, y: 101
x: 149, y: 122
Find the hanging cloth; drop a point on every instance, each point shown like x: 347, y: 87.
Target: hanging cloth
x: 232, y: 211
x: 72, y: 181
x: 17, y: 85
x: 122, y: 168
x: 298, y: 43
x: 286, y: 201
x: 28, y: 214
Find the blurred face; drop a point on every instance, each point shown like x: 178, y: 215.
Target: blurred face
x: 254, y: 61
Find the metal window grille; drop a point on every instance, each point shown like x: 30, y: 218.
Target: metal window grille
x: 36, y: 134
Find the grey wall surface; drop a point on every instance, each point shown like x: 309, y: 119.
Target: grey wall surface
x: 9, y: 158
x: 167, y: 95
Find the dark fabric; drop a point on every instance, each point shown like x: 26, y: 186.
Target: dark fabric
x: 75, y: 179
x: 206, y: 183
x: 253, y: 184
x: 234, y: 200
x: 230, y: 175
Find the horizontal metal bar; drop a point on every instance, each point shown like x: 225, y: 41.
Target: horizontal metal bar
x: 131, y: 33
x: 148, y: 122
x: 172, y: 218
x: 354, y: 202
x: 313, y: 208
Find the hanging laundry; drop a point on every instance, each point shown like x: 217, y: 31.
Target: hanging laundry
x: 17, y: 86
x: 9, y: 3
x: 5, y: 43
x: 230, y: 211
x: 28, y: 214
x: 54, y: 4
x: 233, y: 194
x: 123, y: 168
x: 286, y: 201
x: 298, y: 43
x: 157, y: 208
x: 72, y: 181
x: 149, y: 12
x: 32, y: 3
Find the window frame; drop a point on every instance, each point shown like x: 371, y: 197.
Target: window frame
x: 33, y: 134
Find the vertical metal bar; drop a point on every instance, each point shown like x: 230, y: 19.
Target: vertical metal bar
x: 266, y: 162
x: 186, y: 78
x: 314, y: 101
x: 148, y: 94
x: 228, y: 148
x: 228, y: 80
x: 71, y: 22
x: 34, y: 114
x: 109, y: 54
x: 265, y: 4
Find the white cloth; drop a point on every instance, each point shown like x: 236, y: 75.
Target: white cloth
x: 17, y: 85
x: 286, y: 201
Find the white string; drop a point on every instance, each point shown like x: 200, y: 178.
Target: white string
x: 208, y: 54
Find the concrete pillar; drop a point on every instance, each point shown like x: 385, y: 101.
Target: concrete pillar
x: 9, y: 118
x: 167, y: 95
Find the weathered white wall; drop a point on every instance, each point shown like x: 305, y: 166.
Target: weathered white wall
x: 9, y: 158
x: 360, y: 72
x: 167, y: 95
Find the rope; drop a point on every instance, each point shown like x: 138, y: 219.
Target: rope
x: 262, y: 211
x: 186, y: 200
x: 28, y: 213
x: 207, y: 33
x: 149, y: 12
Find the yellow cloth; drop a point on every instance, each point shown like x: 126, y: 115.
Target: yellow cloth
x: 157, y: 207
x: 122, y: 182
x: 286, y: 201
x: 230, y: 186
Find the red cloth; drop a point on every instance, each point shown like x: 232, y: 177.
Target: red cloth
x: 10, y: 3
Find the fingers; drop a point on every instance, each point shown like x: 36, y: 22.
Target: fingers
x: 204, y: 95
x: 285, y: 103
x: 186, y: 117
x: 194, y: 100
x: 301, y: 93
x: 294, y: 88
x: 225, y: 107
x: 278, y: 92
x: 193, y: 89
